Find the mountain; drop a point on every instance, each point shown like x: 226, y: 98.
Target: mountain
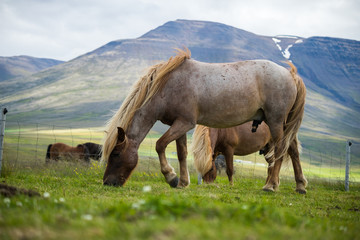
x: 85, y: 90
x: 19, y: 66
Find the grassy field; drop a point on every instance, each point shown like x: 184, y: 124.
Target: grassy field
x: 74, y: 204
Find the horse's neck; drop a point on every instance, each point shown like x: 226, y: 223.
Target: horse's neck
x: 140, y: 126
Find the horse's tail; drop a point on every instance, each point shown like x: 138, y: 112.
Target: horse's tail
x: 295, y: 116
x: 47, y: 158
x: 201, y: 148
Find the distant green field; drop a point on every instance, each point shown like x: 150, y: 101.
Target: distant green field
x: 27, y: 146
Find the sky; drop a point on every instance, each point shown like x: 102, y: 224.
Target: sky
x: 65, y: 29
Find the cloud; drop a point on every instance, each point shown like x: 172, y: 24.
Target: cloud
x: 64, y: 29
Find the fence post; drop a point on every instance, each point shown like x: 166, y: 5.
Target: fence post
x: 347, y: 169
x: 2, y: 134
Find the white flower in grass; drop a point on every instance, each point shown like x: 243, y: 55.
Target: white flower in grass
x: 46, y: 195
x: 290, y: 204
x: 62, y: 200
x: 7, y: 201
x: 19, y: 204
x: 146, y: 188
x: 87, y: 217
x: 138, y: 204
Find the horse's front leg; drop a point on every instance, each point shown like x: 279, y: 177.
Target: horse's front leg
x: 229, y: 157
x: 182, y: 154
x: 176, y: 131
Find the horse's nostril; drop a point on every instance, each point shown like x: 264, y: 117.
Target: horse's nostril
x: 111, y: 181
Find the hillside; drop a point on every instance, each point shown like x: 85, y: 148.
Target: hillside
x: 85, y: 90
x: 19, y: 66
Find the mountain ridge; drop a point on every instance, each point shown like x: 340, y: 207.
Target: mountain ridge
x: 22, y: 65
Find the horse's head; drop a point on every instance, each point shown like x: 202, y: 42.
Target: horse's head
x: 210, y: 176
x: 121, y: 162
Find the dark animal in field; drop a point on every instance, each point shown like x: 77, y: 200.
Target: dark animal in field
x: 94, y: 150
x: 59, y: 151
x: 183, y: 92
x: 208, y: 143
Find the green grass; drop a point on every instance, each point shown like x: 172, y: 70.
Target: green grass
x: 79, y: 206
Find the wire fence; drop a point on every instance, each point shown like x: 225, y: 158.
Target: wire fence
x: 25, y: 147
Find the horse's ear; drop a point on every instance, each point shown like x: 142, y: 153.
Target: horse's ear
x: 121, y: 134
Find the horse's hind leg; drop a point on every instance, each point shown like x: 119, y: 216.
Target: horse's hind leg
x: 176, y: 131
x: 182, y: 154
x: 273, y: 180
x: 300, y: 179
x: 277, y: 134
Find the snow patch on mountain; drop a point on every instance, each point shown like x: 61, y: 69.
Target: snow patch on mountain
x: 286, y: 53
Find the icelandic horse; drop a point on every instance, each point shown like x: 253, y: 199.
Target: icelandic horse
x: 59, y: 150
x: 242, y: 140
x: 183, y: 92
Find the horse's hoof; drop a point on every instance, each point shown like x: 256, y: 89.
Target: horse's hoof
x: 174, y: 182
x: 268, y: 189
x: 301, y: 191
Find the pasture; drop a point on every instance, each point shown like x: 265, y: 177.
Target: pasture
x: 74, y: 204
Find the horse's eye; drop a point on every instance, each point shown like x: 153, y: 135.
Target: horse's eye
x: 115, y: 154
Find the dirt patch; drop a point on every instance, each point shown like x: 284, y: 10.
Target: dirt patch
x: 9, y: 191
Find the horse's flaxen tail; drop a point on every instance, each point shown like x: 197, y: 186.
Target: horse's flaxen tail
x: 47, y: 158
x: 295, y: 116
x: 201, y: 148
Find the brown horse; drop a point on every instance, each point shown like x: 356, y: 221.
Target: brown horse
x: 94, y: 150
x: 208, y: 143
x: 183, y: 92
x: 58, y: 151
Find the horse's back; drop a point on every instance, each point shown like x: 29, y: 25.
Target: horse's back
x: 229, y: 94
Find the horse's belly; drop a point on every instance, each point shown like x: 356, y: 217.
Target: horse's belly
x: 221, y: 117
x: 229, y: 109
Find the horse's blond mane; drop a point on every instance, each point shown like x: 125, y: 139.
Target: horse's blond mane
x: 142, y: 91
x: 201, y: 148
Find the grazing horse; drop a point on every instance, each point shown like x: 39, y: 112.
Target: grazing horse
x: 94, y: 150
x: 58, y: 151
x: 183, y: 92
x: 208, y: 143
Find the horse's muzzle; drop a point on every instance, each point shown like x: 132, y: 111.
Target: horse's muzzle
x: 112, y: 181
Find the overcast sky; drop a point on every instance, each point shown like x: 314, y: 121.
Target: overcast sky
x: 65, y: 29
